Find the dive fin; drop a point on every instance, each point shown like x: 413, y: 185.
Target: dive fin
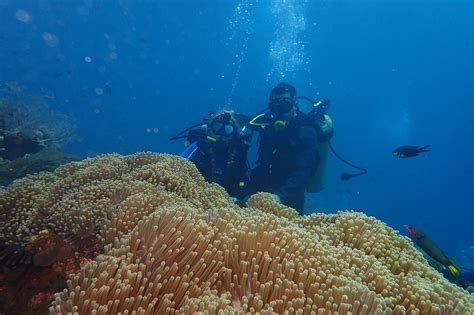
x: 425, y: 148
x: 190, y: 150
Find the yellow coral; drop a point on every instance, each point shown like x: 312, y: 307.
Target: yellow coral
x: 172, y: 243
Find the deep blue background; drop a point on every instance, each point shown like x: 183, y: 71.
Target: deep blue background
x: 397, y: 72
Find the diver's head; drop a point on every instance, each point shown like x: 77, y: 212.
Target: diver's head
x: 222, y: 125
x: 282, y: 100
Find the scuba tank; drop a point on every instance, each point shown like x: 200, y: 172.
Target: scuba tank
x: 324, y: 124
x: 317, y: 181
x: 318, y: 118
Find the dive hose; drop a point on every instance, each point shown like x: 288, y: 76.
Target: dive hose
x: 347, y: 176
x: 321, y: 106
x: 181, y: 135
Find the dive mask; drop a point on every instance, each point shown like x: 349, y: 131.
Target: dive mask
x: 222, y: 125
x: 222, y: 129
x: 281, y: 105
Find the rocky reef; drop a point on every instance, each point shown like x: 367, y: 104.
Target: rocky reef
x: 46, y: 160
x: 29, y: 116
x: 32, y: 134
x: 146, y: 234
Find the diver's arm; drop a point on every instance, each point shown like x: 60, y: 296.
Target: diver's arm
x: 307, y: 160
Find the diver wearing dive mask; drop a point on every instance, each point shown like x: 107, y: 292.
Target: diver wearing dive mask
x: 287, y: 151
x: 222, y: 125
x: 282, y: 104
x: 218, y: 147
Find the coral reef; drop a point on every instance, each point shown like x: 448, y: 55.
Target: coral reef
x: 31, y: 134
x: 29, y: 116
x: 48, y: 159
x: 146, y: 234
x: 13, y: 146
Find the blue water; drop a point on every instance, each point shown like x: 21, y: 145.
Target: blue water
x: 397, y: 72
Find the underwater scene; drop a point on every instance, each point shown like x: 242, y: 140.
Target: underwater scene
x: 236, y: 157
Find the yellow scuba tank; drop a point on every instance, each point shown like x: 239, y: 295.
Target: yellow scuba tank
x: 317, y: 181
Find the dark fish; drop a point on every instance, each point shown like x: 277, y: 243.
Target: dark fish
x: 430, y: 248
x: 107, y: 89
x: 410, y: 150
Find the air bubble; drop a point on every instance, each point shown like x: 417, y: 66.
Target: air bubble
x: 50, y: 39
x: 23, y: 16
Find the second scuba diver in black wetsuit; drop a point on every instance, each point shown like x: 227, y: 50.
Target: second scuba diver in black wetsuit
x: 218, y: 147
x: 287, y: 149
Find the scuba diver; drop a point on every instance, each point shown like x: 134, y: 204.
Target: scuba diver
x: 288, y: 148
x: 293, y: 148
x: 218, y: 147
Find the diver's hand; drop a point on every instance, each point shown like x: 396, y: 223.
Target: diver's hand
x: 276, y: 198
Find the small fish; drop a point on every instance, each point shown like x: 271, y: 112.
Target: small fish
x: 407, y: 151
x: 431, y: 249
x: 107, y: 89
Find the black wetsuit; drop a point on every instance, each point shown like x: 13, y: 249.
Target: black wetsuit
x: 286, y: 161
x: 223, y: 163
